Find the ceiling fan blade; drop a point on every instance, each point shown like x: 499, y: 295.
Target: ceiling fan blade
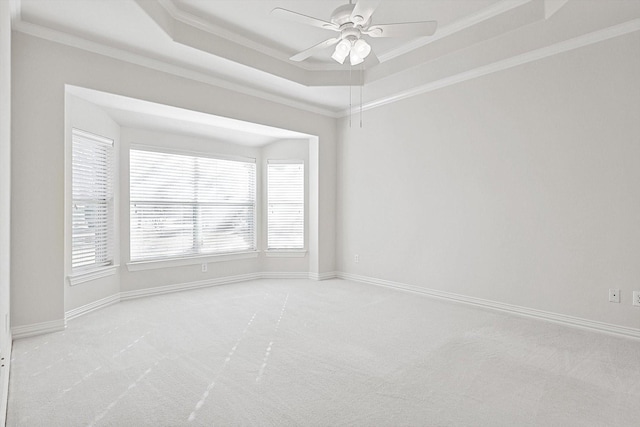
x: 406, y: 29
x: 363, y: 10
x: 301, y: 56
x: 303, y: 19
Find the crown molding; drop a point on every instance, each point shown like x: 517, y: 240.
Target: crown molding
x: 531, y: 56
x: 163, y: 66
x: 218, y: 81
x: 459, y: 25
x: 196, y: 22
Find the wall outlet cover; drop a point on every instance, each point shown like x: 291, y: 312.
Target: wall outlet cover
x: 636, y: 298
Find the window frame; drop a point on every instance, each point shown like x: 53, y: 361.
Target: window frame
x: 108, y: 266
x: 290, y: 252
x: 193, y: 257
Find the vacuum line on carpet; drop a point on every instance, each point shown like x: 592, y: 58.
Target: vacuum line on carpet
x: 122, y: 395
x: 212, y: 384
x: 270, y: 346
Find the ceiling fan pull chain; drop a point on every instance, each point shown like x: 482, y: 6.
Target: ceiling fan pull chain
x: 361, y: 92
x: 350, y: 87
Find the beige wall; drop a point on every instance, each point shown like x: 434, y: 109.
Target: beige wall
x: 41, y: 69
x: 520, y: 187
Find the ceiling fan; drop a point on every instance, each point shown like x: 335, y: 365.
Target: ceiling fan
x: 353, y: 21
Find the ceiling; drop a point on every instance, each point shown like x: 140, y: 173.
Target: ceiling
x: 237, y: 43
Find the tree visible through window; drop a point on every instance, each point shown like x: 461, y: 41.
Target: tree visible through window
x: 184, y: 205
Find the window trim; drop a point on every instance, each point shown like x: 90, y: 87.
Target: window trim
x: 88, y: 276
x: 200, y: 258
x: 90, y: 272
x: 286, y: 252
x: 192, y: 260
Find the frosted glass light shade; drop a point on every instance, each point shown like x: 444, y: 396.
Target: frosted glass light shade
x: 342, y: 50
x: 361, y: 48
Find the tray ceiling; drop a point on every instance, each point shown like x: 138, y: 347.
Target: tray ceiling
x: 238, y: 44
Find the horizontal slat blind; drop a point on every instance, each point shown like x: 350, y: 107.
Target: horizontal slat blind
x: 184, y: 205
x: 285, y: 198
x: 92, y: 197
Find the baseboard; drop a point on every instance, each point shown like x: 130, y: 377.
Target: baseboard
x: 38, y: 329
x: 322, y: 276
x: 283, y: 275
x: 55, y: 326
x: 141, y: 293
x: 4, y: 384
x: 562, y: 319
x: 93, y: 306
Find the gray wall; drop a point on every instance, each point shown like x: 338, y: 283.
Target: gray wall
x: 136, y: 280
x: 519, y: 187
x: 88, y: 117
x: 41, y: 69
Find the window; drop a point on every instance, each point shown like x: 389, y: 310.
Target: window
x: 92, y: 198
x: 285, y: 198
x: 186, y: 205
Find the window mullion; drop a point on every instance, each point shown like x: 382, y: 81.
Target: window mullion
x: 197, y: 219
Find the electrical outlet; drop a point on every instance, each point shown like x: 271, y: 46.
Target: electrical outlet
x: 204, y: 268
x: 614, y: 295
x: 636, y: 298
x: 356, y: 258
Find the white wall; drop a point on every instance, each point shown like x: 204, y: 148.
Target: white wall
x: 41, y: 69
x: 5, y: 199
x: 520, y: 187
x: 86, y: 116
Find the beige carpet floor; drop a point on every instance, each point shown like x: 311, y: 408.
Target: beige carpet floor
x: 331, y: 353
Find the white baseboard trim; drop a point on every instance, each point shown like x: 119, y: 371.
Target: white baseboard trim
x: 59, y: 325
x: 92, y: 306
x: 562, y: 319
x: 323, y: 276
x: 4, y: 384
x: 282, y: 275
x: 38, y: 329
x: 141, y: 293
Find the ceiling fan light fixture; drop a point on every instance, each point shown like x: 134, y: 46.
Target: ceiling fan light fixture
x: 342, y: 51
x: 361, y: 48
x: 355, y: 58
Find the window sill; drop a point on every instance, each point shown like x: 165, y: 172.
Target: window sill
x: 179, y: 262
x: 285, y: 253
x: 87, y: 276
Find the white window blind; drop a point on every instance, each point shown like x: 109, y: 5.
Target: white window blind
x: 185, y: 205
x: 285, y: 199
x: 92, y: 198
